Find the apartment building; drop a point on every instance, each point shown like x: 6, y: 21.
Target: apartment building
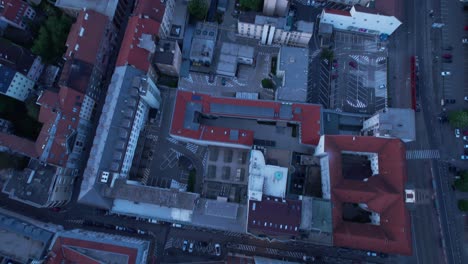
x: 161, y: 11
x: 14, y: 12
x: 15, y: 84
x: 168, y: 57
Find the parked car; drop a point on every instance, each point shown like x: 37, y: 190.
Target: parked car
x: 464, y: 157
x: 465, y: 138
x: 217, y: 249
x: 223, y: 81
x: 466, y: 98
x: 465, y: 40
x: 184, y: 246
x: 457, y: 132
x: 452, y: 101
x: 465, y: 146
x: 176, y: 225
x: 465, y: 132
x: 353, y: 64
x: 445, y: 73
x: 447, y: 56
x: 211, y: 77
x: 371, y: 254
x: 190, y: 250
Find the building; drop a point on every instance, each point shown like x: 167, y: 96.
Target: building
x: 203, y: 44
x: 81, y: 246
x: 391, y: 123
x: 138, y: 43
x: 179, y: 21
x: 16, y: 12
x: 292, y: 68
x: 275, y: 30
x: 231, y: 55
x: 20, y: 60
x: 15, y: 84
x: 236, y: 118
x: 361, y: 19
x: 133, y: 101
x: 115, y: 10
x: 168, y: 57
x: 275, y: 7
x: 22, y: 241
x: 88, y: 47
x: 39, y: 186
x: 161, y: 11
x: 365, y: 177
x: 353, y: 2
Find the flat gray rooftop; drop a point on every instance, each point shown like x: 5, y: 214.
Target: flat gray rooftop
x: 294, y: 62
x: 153, y: 195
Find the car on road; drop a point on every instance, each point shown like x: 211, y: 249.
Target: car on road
x: 465, y: 40
x: 464, y: 157
x: 153, y: 221
x: 465, y: 138
x: 141, y: 232
x: 211, y: 77
x: 217, y: 249
x: 445, y: 73
x: 190, y: 249
x: 466, y: 98
x: 353, y: 64
x: 176, y: 225
x: 447, y: 56
x: 465, y: 146
x: 371, y: 254
x: 457, y: 132
x: 184, y: 246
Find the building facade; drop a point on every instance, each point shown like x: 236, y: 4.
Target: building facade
x: 15, y: 84
x: 16, y: 12
x: 361, y: 19
x: 161, y: 11
x: 20, y: 59
x: 391, y: 123
x: 273, y: 30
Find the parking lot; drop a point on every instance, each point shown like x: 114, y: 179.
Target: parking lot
x: 359, y: 73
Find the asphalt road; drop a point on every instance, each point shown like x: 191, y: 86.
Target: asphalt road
x: 437, y: 226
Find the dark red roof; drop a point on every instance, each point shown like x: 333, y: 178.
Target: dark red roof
x: 19, y: 145
x: 154, y: 9
x: 383, y: 194
x: 68, y: 103
x: 130, y: 52
x: 70, y: 250
x: 390, y: 7
x: 86, y: 35
x: 306, y: 115
x: 274, y: 216
x: 14, y: 10
x: 337, y: 12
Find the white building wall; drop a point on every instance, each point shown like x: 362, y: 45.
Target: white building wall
x: 87, y: 108
x: 20, y: 87
x: 167, y: 18
x: 361, y: 20
x: 140, y: 119
x: 61, y: 190
x: 152, y: 96
x: 271, y: 34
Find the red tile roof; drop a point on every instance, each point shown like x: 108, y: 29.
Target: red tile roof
x: 68, y: 103
x: 274, y: 217
x: 130, y: 52
x: 18, y: 144
x: 86, y: 35
x: 154, y: 9
x: 390, y: 7
x: 337, y: 12
x: 14, y: 10
x: 306, y: 115
x: 70, y: 250
x: 383, y: 194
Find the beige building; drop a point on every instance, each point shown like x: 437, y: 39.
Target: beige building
x: 275, y: 7
x: 15, y: 84
x: 275, y: 30
x: 168, y: 57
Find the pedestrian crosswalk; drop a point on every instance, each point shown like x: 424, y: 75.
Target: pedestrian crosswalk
x: 246, y: 247
x: 192, y: 147
x: 233, y: 234
x: 283, y: 253
x: 423, y: 154
x: 172, y: 140
x: 169, y: 243
x: 76, y: 221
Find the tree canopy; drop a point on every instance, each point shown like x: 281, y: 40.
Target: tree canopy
x: 255, y: 5
x: 198, y: 9
x: 463, y: 205
x: 458, y: 118
x: 50, y: 43
x: 462, y: 183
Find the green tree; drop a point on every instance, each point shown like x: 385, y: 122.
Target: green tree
x: 198, y: 9
x: 458, y: 118
x: 327, y: 54
x: 462, y: 183
x: 50, y: 43
x: 463, y: 205
x: 254, y: 5
x: 267, y: 83
x: 191, y: 180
